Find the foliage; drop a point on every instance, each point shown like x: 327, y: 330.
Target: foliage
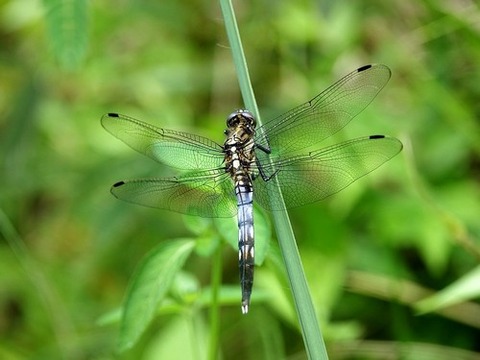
x: 392, y: 261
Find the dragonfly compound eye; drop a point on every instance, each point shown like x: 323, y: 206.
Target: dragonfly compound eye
x: 247, y: 115
x: 241, y: 116
x: 233, y: 119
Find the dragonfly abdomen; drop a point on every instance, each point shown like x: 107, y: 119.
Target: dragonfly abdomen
x: 246, y: 241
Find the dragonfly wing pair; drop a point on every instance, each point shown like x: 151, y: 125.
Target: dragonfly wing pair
x: 206, y: 187
x: 203, y: 190
x: 306, y: 179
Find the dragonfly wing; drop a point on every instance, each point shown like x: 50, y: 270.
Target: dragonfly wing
x: 207, y: 193
x: 309, y: 178
x: 325, y: 114
x: 173, y: 148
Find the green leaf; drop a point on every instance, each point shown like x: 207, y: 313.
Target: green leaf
x: 112, y: 317
x: 148, y: 287
x: 197, y: 224
x: 228, y: 229
x: 182, y: 337
x: 67, y: 29
x: 465, y: 288
x: 263, y: 235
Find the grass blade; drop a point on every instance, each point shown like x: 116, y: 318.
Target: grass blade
x: 312, y: 337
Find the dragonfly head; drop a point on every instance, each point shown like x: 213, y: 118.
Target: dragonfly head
x: 242, y: 118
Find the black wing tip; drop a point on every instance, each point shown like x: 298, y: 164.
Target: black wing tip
x: 118, y: 184
x: 375, y: 137
x: 108, y: 116
x: 364, y: 67
x: 369, y: 66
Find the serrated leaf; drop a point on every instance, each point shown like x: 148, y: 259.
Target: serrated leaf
x: 465, y: 288
x: 149, y: 286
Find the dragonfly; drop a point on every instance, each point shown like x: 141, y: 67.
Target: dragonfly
x: 224, y: 180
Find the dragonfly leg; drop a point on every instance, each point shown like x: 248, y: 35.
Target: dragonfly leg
x: 263, y: 148
x: 262, y: 173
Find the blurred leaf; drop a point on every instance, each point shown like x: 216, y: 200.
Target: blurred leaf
x: 272, y: 280
x: 182, y: 338
x: 111, y: 317
x: 197, y: 224
x: 67, y: 30
x: 229, y: 295
x: 465, y: 288
x: 228, y: 229
x: 207, y: 243
x: 279, y: 296
x: 148, y: 287
x: 207, y: 239
x: 263, y: 231
x: 185, y: 287
x: 425, y: 230
x: 326, y: 275
x: 368, y: 349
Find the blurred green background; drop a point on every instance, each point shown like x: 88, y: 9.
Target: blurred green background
x: 406, y: 232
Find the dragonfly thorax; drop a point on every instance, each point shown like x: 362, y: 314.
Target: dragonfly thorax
x: 239, y: 144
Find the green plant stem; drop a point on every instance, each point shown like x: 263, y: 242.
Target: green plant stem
x: 311, y: 333
x: 216, y: 283
x: 239, y: 58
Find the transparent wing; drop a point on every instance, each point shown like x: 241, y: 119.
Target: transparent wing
x: 309, y: 178
x: 325, y: 114
x: 173, y: 148
x: 207, y: 193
